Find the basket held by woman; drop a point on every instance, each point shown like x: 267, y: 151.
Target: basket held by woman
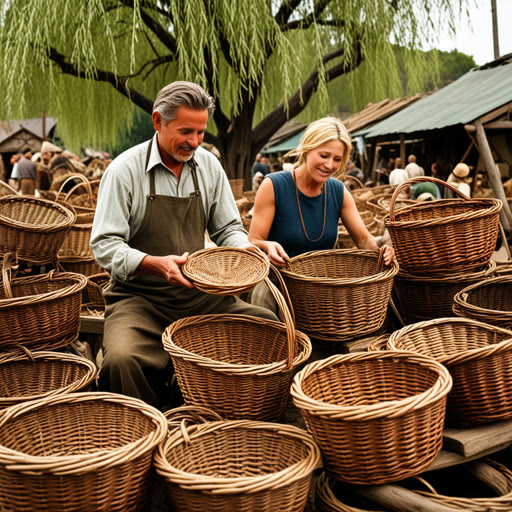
x: 239, y: 465
x: 26, y: 375
x: 339, y: 294
x: 377, y: 417
x: 79, y: 452
x: 479, y: 359
x: 489, y: 301
x: 446, y: 235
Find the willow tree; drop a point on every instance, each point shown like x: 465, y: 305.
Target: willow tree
x: 91, y: 62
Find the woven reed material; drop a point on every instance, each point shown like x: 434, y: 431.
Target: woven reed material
x: 230, y: 466
x: 377, y: 416
x: 85, y: 266
x: 43, y: 374
x: 379, y: 343
x: 78, y: 452
x: 6, y: 190
x: 33, y: 228
x: 339, y: 294
x: 92, y: 295
x: 423, y: 298
x: 504, y: 268
x: 226, y: 270
x: 446, y: 235
x: 479, y: 359
x: 40, y: 312
x: 237, y: 187
x: 489, y: 301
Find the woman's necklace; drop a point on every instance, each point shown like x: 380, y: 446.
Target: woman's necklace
x: 300, y: 213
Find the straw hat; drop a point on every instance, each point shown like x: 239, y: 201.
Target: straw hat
x: 461, y: 171
x: 48, y: 147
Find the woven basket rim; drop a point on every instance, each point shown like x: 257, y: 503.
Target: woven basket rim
x: 236, y: 485
x: 461, y: 356
x: 238, y: 369
x: 387, y: 273
x: 70, y: 216
x: 459, y: 297
x: 453, y: 277
x: 75, y: 464
x: 386, y: 409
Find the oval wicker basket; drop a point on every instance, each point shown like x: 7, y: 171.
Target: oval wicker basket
x: 237, y: 466
x: 85, y: 266
x: 379, y: 343
x: 489, y: 301
x: 339, y: 294
x: 423, y: 297
x: 479, y: 359
x: 226, y: 270
x: 33, y: 228
x: 443, y: 236
x: 40, y: 312
x: 44, y: 374
x: 377, y: 416
x: 240, y: 366
x: 7, y: 190
x: 78, y: 452
x: 93, y: 300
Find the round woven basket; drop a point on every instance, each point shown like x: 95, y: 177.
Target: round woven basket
x: 379, y: 343
x: 422, y: 297
x: 479, y: 359
x: 33, y: 228
x: 44, y: 374
x: 85, y: 266
x: 443, y: 236
x: 93, y: 300
x: 40, y: 312
x: 489, y: 301
x: 339, y: 294
x: 78, y: 452
x: 240, y: 366
x: 226, y: 270
x: 378, y: 417
x: 237, y: 466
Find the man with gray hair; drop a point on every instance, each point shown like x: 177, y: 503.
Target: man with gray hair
x: 155, y: 203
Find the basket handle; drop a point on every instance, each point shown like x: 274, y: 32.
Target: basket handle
x: 9, y: 263
x: 83, y: 179
x: 287, y: 316
x: 419, y: 179
x: 185, y: 415
x: 28, y: 353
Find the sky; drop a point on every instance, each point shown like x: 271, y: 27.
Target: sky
x: 475, y: 38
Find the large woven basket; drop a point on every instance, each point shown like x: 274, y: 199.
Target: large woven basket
x: 240, y: 366
x: 504, y: 268
x: 93, y: 300
x: 79, y: 452
x: 489, y: 301
x: 6, y: 190
x: 479, y: 359
x: 339, y: 294
x: 26, y: 375
x: 423, y: 297
x: 33, y: 228
x: 377, y: 416
x: 446, y: 235
x: 41, y: 312
x: 237, y: 466
x: 85, y: 266
x: 237, y: 187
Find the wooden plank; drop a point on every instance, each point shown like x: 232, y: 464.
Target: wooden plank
x: 470, y: 441
x: 499, y: 125
x: 496, y: 113
x: 91, y: 324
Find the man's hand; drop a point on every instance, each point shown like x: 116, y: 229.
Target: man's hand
x: 166, y: 266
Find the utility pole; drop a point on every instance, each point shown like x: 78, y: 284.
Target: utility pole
x: 495, y: 29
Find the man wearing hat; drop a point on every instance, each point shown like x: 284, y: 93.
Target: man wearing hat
x: 459, y: 179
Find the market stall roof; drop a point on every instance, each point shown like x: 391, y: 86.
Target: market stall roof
x: 479, y: 91
x: 34, y: 126
x: 286, y: 145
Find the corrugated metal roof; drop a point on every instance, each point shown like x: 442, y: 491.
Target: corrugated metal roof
x: 473, y: 95
x: 35, y: 126
x: 286, y: 145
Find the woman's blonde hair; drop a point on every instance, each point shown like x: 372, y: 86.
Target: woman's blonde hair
x: 319, y: 132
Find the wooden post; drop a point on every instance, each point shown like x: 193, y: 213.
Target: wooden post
x: 402, y: 149
x: 44, y: 125
x: 494, y: 176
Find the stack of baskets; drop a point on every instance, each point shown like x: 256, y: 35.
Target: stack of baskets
x: 339, y: 294
x: 237, y: 187
x: 442, y: 246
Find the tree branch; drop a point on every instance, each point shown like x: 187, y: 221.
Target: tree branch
x: 278, y: 117
x: 285, y: 11
x: 308, y: 20
x: 118, y: 82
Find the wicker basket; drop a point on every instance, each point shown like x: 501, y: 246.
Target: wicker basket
x: 78, y: 452
x: 377, y: 416
x: 443, y: 236
x: 339, y: 294
x: 40, y: 312
x: 423, y: 298
x: 93, y: 300
x: 237, y: 466
x: 226, y: 270
x: 237, y: 187
x: 43, y: 374
x: 6, y: 190
x: 240, y: 366
x: 479, y: 359
x: 85, y: 266
x: 504, y: 268
x: 33, y: 228
x: 379, y: 343
x: 489, y: 301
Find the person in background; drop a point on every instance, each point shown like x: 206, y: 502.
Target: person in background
x: 299, y: 210
x: 413, y: 169
x: 260, y: 166
x: 27, y: 174
x: 398, y: 175
x: 13, y: 178
x: 155, y: 202
x: 460, y: 179
x: 352, y: 170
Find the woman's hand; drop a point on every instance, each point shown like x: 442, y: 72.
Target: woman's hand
x: 276, y: 254
x: 388, y: 253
